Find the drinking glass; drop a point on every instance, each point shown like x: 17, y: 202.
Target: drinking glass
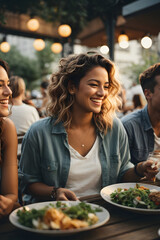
x: 155, y: 157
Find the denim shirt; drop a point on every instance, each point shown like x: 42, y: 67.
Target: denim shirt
x: 45, y: 155
x: 140, y: 134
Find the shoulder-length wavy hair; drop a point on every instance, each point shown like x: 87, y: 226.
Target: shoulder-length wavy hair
x: 6, y: 67
x: 74, y: 68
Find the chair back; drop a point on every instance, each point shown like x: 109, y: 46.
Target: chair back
x: 20, y: 139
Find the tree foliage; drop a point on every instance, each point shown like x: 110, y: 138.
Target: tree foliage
x: 31, y: 70
x: 148, y: 58
x: 21, y: 65
x: 45, y: 58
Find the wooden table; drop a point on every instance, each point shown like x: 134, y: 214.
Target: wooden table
x: 123, y: 225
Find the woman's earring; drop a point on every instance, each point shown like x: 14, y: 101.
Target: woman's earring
x: 72, y: 92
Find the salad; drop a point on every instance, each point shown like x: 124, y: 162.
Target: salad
x: 137, y: 197
x: 59, y: 216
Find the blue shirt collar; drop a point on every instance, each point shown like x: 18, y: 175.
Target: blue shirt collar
x: 146, y: 120
x: 58, y: 128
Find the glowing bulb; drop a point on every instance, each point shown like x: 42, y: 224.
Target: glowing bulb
x: 104, y: 49
x: 33, y: 24
x: 56, y: 47
x: 122, y: 38
x: 64, y: 30
x: 146, y: 42
x: 124, y: 44
x: 5, y: 47
x: 39, y: 44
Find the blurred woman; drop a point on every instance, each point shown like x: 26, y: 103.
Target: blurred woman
x: 8, y: 147
x: 82, y: 146
x: 43, y: 88
x: 23, y: 115
x: 138, y: 101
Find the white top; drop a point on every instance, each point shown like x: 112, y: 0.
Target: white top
x: 157, y: 147
x: 156, y: 142
x: 23, y: 116
x: 85, y: 172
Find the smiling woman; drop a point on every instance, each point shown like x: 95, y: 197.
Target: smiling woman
x: 5, y: 91
x: 82, y: 146
x: 8, y: 148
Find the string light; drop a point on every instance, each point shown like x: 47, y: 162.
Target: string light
x: 56, y: 47
x: 146, y: 42
x: 4, y: 47
x: 64, y: 30
x: 104, y: 49
x: 123, y: 40
x: 39, y: 44
x: 33, y: 24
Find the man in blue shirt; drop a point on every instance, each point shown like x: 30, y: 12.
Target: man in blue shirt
x: 143, y: 126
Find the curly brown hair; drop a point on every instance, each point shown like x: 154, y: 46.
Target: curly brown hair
x: 74, y: 68
x: 147, y: 78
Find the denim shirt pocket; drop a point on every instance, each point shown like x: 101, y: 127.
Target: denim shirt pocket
x: 49, y: 172
x: 139, y: 155
x: 115, y: 165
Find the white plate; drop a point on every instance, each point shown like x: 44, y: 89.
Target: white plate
x: 103, y: 217
x: 106, y: 191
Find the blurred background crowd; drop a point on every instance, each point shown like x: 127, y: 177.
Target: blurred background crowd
x: 33, y: 40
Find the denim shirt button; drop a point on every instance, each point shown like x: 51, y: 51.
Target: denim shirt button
x: 48, y: 167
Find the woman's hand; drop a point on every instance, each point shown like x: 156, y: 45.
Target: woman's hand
x: 6, y: 205
x: 64, y: 194
x: 144, y: 168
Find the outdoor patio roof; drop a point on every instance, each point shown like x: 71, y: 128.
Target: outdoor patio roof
x: 136, y: 18
x: 136, y: 21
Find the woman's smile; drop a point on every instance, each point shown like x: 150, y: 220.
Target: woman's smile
x: 97, y: 101
x: 4, y: 103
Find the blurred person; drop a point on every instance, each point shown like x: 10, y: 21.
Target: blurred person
x: 143, y: 126
x: 43, y: 88
x: 124, y: 108
x: 82, y: 146
x: 138, y: 101
x: 27, y: 98
x: 8, y: 148
x: 23, y: 115
x: 122, y: 97
x: 36, y: 98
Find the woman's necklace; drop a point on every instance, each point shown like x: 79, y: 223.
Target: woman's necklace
x: 87, y: 134
x: 84, y: 141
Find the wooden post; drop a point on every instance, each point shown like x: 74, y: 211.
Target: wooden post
x: 110, y: 29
